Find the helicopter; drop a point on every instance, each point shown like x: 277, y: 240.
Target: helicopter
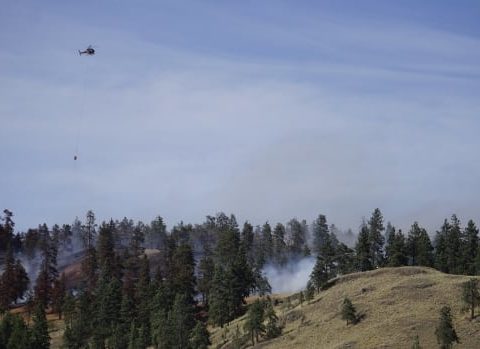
x: 88, y: 51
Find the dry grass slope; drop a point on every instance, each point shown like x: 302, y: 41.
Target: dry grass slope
x: 397, y: 304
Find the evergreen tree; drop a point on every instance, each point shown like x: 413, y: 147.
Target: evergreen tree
x: 362, y: 250
x: 419, y: 247
x: 349, y: 313
x: 396, y: 254
x: 267, y: 242
x: 219, y: 310
x: 254, y: 322
x: 272, y: 328
x: 206, y: 269
x: 21, y: 282
x: 8, y: 292
x: 471, y: 295
x: 181, y: 274
x: 157, y: 234
x: 319, y: 275
x: 162, y: 331
x: 247, y: 239
x: 446, y: 334
x: 6, y: 329
x: 297, y: 238
x: 106, y: 249
x: 182, y: 320
x: 59, y: 292
x: 20, y: 336
x: 470, y: 248
x: 40, y: 337
x: 441, y: 241
x: 454, y: 247
x: 320, y: 233
x: 345, y: 259
x: 279, y: 245
x: 375, y: 238
x: 200, y: 338
x: 89, y: 263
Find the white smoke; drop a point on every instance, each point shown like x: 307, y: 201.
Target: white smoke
x: 290, y: 278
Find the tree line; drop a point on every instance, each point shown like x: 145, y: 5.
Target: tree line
x: 198, y: 274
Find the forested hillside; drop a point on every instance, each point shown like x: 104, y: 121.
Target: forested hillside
x: 126, y: 284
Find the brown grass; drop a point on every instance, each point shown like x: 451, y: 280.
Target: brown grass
x: 396, y: 304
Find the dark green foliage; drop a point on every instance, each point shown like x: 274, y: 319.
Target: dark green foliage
x: 419, y: 247
x: 345, y: 258
x: 206, y: 269
x: 320, y: 233
x: 156, y: 235
x: 8, y: 294
x: 267, y: 242
x: 6, y: 230
x: 448, y: 247
x: 162, y: 330
x: 58, y: 295
x: 182, y: 321
x: 78, y: 322
x: 272, y: 329
x: 470, y: 249
x: 219, y: 310
x: 297, y: 238
x: 40, y: 338
x: 375, y: 238
x: 181, y: 275
x: 20, y: 336
x: 200, y: 338
x: 254, y: 322
x: 445, y: 332
x: 105, y: 249
x: 471, y: 295
x: 395, y: 250
x: 319, y: 275
x: 362, y: 250
x: 279, y: 245
x: 349, y: 313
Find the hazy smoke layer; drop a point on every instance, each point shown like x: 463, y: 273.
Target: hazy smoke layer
x: 290, y: 278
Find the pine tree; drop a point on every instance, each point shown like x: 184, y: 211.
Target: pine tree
x: 345, y: 259
x: 157, y: 234
x: 40, y: 337
x: 319, y: 275
x: 454, y: 247
x: 182, y: 320
x: 279, y: 245
x: 6, y: 230
x: 21, y: 280
x: 375, y: 238
x: 441, y: 241
x: 470, y: 248
x: 247, y: 238
x: 471, y: 295
x: 200, y: 338
x: 272, y: 329
x: 396, y: 254
x: 297, y: 238
x: 59, y: 292
x: 267, y: 242
x: 254, y: 322
x: 320, y: 233
x: 8, y: 293
x: 446, y: 334
x: 419, y: 247
x: 349, y: 313
x: 219, y: 298
x: 362, y: 250
x: 20, y: 336
x: 106, y: 249
x: 206, y: 269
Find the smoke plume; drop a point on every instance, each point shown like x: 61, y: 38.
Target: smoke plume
x: 290, y: 278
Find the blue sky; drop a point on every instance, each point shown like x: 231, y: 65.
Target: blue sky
x: 269, y: 110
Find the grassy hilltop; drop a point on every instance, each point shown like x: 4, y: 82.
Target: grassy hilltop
x: 396, y: 304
